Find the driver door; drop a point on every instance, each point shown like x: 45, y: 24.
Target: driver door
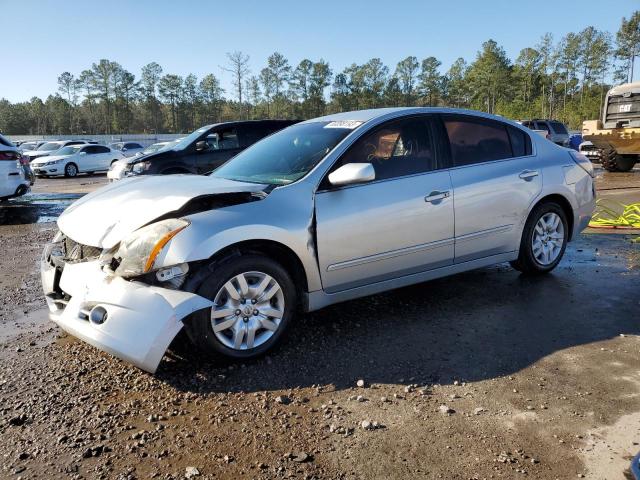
x: 86, y: 159
x: 221, y: 146
x: 398, y: 224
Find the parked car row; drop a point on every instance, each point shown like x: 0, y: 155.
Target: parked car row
x: 319, y: 212
x: 77, y: 158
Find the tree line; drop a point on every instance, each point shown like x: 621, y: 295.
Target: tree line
x: 564, y: 79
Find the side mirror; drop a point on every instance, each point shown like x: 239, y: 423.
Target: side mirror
x: 352, y: 173
x: 201, y: 145
x: 83, y: 153
x: 124, y: 149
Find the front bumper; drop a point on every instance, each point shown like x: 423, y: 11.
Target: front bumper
x: 141, y: 320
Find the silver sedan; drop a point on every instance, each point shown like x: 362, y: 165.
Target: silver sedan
x: 327, y: 210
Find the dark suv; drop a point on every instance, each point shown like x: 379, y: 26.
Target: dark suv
x: 203, y: 150
x: 555, y: 130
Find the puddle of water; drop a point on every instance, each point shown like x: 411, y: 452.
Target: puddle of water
x: 35, y: 208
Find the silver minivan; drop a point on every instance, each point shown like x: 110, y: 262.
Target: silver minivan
x: 324, y: 211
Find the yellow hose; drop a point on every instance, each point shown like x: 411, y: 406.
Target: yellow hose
x: 606, y: 216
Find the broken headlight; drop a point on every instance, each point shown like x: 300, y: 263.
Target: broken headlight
x: 140, y: 167
x: 138, y: 252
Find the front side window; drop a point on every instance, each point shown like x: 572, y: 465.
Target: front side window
x: 133, y: 145
x: 542, y: 126
x: 69, y: 150
x: 395, y: 149
x: 476, y: 140
x: 285, y: 156
x: 224, y: 140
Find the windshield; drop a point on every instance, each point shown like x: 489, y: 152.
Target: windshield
x: 70, y: 150
x: 285, y: 156
x: 49, y: 146
x: 183, y: 143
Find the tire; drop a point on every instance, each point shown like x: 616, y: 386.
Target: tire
x: 534, y: 260
x: 613, y: 162
x: 200, y: 328
x: 71, y: 170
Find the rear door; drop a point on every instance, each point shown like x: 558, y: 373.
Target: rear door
x: 399, y: 224
x: 495, y: 179
x: 103, y: 157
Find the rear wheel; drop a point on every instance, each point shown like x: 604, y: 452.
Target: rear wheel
x: 70, y: 170
x: 544, y: 239
x: 254, y: 299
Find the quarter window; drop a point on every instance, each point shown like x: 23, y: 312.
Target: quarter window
x: 520, y: 142
x: 395, y: 149
x: 476, y: 140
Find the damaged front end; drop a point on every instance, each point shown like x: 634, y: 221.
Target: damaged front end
x: 130, y: 319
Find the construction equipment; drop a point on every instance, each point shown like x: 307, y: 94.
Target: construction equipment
x: 617, y: 136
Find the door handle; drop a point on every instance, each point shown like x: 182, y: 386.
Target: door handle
x: 436, y: 196
x: 528, y: 174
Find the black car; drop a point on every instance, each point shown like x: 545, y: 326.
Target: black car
x: 203, y: 150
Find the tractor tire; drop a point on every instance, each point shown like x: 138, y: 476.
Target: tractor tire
x: 614, y: 162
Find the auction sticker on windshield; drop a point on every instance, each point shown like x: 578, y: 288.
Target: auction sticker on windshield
x: 350, y: 124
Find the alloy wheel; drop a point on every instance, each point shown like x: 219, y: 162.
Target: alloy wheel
x: 247, y: 310
x: 548, y: 238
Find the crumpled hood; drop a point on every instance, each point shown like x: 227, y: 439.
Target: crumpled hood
x: 104, y: 217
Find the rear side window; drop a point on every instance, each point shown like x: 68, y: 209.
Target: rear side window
x: 558, y: 128
x: 520, y: 142
x: 476, y: 140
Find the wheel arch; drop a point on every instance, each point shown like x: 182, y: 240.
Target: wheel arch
x: 277, y: 251
x: 564, y: 204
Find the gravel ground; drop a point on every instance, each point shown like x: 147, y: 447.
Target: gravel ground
x: 486, y: 374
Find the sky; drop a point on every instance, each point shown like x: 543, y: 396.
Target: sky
x: 42, y: 39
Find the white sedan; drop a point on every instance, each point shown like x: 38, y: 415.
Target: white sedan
x: 74, y: 159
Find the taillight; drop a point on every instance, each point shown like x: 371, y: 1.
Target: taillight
x: 23, y: 159
x: 9, y: 156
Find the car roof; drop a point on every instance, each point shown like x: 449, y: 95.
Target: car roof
x: 381, y: 113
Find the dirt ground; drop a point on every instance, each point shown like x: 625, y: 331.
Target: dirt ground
x: 486, y: 374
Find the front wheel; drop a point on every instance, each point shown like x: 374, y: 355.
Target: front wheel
x: 71, y: 170
x: 544, y: 239
x: 254, y: 299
